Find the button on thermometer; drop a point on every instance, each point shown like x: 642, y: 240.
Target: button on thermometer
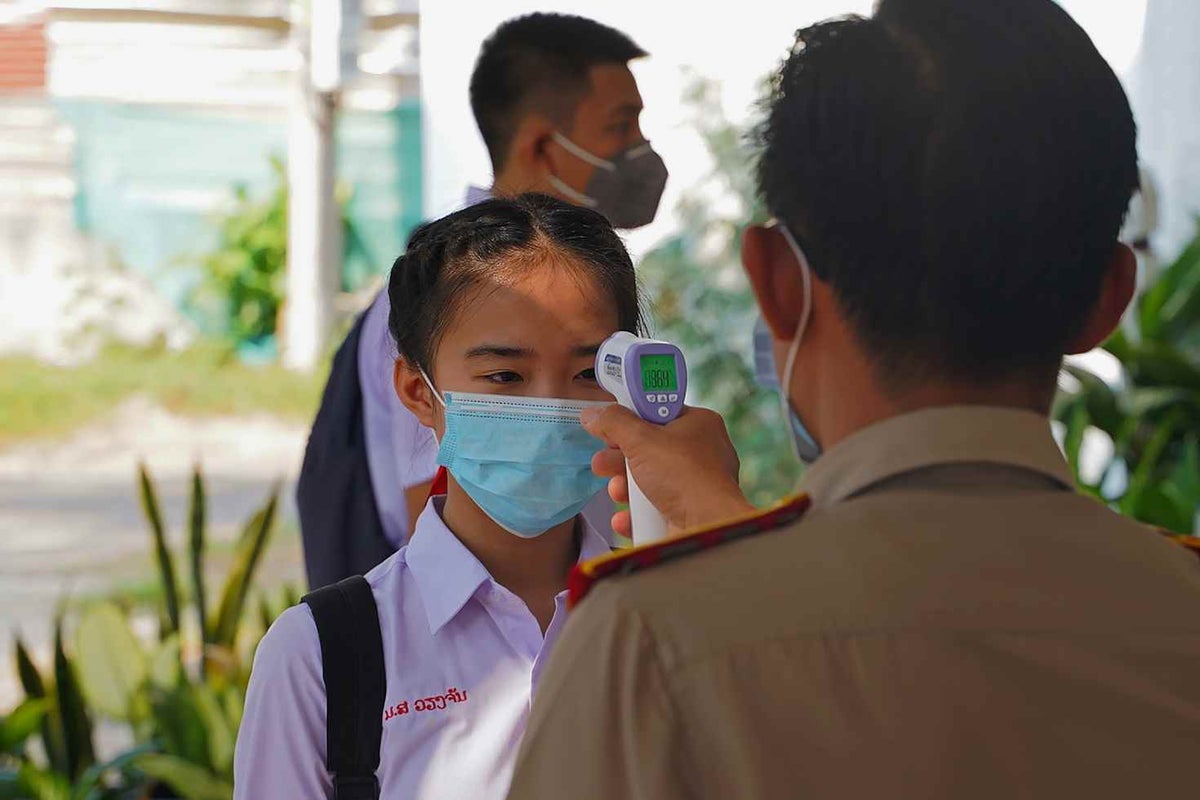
x: 649, y: 377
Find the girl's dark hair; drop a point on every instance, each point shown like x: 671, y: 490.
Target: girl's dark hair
x: 446, y: 258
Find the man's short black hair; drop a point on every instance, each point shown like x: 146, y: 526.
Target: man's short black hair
x: 957, y: 171
x: 539, y: 62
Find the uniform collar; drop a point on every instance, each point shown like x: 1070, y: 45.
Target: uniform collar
x: 477, y: 194
x: 948, y: 435
x: 448, y: 574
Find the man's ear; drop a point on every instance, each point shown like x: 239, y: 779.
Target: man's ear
x: 1116, y: 292
x: 776, y: 279
x: 528, y: 154
x: 414, y: 393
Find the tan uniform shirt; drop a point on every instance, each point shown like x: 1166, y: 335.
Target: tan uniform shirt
x: 950, y: 620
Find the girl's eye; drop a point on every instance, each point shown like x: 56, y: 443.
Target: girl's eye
x: 587, y: 375
x: 503, y: 377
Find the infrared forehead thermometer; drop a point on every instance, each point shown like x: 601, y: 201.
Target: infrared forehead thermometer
x: 649, y: 377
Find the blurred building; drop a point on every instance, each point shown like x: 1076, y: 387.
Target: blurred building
x: 138, y: 117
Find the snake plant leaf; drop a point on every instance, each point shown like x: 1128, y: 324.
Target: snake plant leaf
x: 31, y: 679
x: 76, y: 722
x: 196, y: 547
x: 19, y: 725
x: 112, y: 666
x: 237, y: 586
x: 188, y: 780
x: 166, y: 566
x: 37, y: 688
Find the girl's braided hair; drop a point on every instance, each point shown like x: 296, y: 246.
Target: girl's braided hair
x: 448, y: 257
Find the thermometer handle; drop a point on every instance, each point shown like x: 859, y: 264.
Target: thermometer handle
x: 649, y: 525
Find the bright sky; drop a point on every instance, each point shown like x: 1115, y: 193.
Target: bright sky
x: 737, y: 46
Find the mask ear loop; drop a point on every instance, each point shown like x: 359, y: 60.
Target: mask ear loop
x: 560, y: 186
x: 789, y: 364
x: 436, y: 394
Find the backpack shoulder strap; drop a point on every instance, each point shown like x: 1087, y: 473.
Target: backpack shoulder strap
x: 355, y: 685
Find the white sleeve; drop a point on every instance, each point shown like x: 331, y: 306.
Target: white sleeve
x: 281, y: 743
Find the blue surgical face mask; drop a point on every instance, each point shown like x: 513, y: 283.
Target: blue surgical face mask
x: 804, y: 445
x: 525, y: 461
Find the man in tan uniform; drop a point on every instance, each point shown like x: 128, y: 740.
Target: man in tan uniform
x: 940, y: 615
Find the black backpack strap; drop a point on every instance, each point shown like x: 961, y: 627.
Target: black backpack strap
x: 355, y: 685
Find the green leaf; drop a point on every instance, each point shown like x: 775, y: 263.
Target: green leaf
x: 1157, y: 506
x: 188, y: 780
x: 31, y: 679
x: 112, y: 665
x: 196, y: 555
x: 1100, y: 399
x: 179, y: 724
x: 1158, y: 364
x: 166, y: 567
x: 237, y: 586
x: 22, y: 723
x: 10, y: 785
x: 43, y: 785
x: 90, y: 784
x: 165, y: 671
x: 221, y: 736
x: 35, y: 688
x: 76, y: 724
x: 1143, y: 493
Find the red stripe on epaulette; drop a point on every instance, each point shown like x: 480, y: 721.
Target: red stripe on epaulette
x: 1190, y: 542
x: 624, y: 562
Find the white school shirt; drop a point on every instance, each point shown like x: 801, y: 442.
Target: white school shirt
x: 462, y: 656
x: 401, y: 452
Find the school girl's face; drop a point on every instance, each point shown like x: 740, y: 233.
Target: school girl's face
x: 535, y: 336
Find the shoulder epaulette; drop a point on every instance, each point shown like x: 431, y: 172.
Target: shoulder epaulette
x: 1191, y: 542
x: 634, y: 559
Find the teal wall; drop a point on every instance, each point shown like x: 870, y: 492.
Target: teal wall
x: 146, y: 175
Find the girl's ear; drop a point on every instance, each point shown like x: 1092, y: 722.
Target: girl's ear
x: 414, y: 393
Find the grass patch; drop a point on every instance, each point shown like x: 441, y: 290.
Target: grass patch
x: 41, y: 400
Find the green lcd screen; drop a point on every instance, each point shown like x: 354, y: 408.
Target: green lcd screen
x: 658, y: 374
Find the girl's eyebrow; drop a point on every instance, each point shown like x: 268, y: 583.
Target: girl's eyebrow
x: 499, y: 351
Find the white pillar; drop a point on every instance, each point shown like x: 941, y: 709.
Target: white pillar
x: 1165, y: 89
x: 314, y: 222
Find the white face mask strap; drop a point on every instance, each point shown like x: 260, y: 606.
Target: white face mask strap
x: 578, y: 198
x: 437, y: 395
x: 806, y: 278
x: 583, y: 155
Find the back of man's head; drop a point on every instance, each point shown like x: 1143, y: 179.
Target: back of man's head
x: 957, y: 171
x: 539, y: 63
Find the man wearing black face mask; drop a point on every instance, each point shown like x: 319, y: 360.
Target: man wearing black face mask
x: 940, y: 615
x: 559, y: 111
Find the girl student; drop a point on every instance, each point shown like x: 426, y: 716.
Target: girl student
x: 497, y: 311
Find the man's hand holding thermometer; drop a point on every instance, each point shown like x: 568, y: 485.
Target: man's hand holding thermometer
x: 665, y: 451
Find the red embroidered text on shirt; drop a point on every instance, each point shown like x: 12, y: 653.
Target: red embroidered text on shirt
x: 436, y: 703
